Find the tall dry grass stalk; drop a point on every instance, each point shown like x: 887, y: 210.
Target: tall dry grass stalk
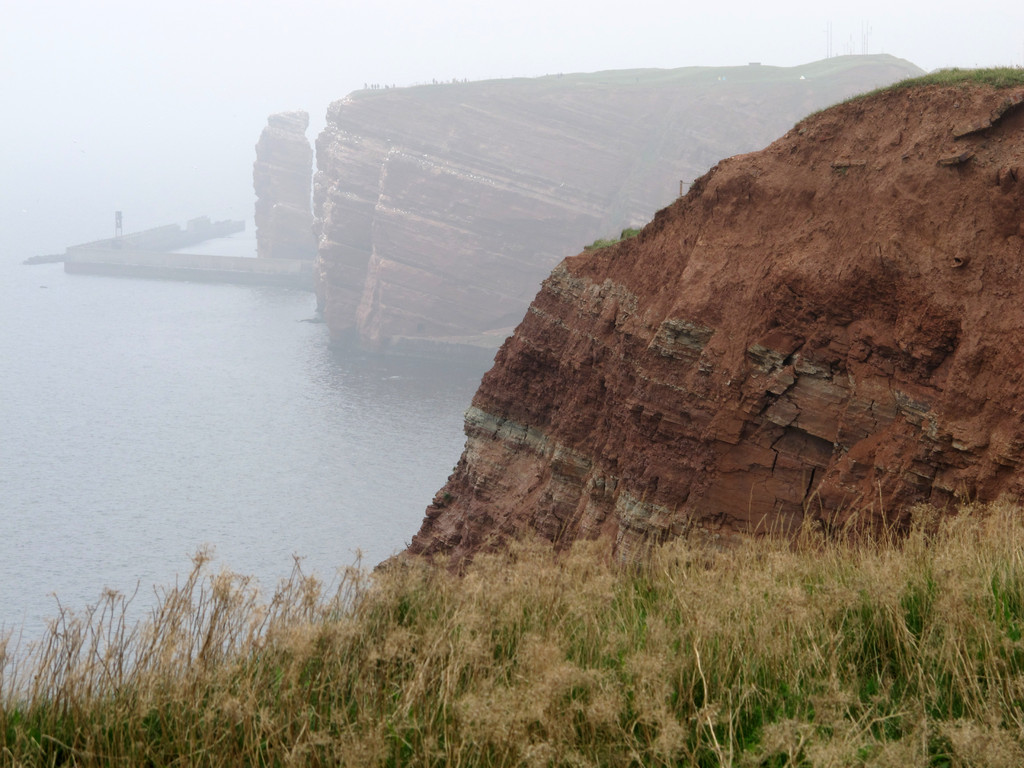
x: 816, y: 651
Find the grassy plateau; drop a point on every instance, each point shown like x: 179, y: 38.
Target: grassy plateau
x: 852, y: 651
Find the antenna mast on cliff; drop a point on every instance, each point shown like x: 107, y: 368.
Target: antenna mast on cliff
x: 828, y: 40
x: 118, y: 221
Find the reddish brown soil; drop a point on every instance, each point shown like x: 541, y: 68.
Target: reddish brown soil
x: 831, y: 326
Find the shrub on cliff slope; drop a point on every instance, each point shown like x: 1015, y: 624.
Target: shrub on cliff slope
x: 903, y: 652
x: 626, y: 234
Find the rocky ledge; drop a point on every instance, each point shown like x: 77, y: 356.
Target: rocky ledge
x: 830, y: 328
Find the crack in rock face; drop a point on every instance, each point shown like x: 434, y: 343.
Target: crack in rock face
x: 788, y: 342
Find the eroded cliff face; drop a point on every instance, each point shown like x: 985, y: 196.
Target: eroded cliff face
x: 441, y: 208
x: 833, y: 326
x: 282, y: 179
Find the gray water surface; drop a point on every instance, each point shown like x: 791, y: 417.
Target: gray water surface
x: 141, y: 420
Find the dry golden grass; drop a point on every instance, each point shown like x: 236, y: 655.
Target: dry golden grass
x: 904, y: 651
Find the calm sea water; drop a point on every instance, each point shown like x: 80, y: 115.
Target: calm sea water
x: 141, y: 420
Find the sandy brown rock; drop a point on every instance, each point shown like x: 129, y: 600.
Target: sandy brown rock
x: 441, y: 208
x: 833, y: 326
x: 282, y: 179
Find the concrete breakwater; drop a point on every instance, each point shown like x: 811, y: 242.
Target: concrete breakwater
x: 150, y: 254
x: 170, y: 237
x: 207, y: 268
x: 167, y: 238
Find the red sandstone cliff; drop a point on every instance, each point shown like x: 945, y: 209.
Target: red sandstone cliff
x: 283, y: 179
x: 831, y: 326
x: 441, y: 208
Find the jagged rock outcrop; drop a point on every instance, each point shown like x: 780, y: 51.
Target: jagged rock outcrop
x: 833, y: 326
x: 441, y: 208
x: 283, y: 178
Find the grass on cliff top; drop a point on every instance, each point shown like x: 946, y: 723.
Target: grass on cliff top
x: 994, y: 77
x: 901, y: 651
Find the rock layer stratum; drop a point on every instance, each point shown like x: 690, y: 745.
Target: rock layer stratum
x: 832, y: 326
x: 442, y: 207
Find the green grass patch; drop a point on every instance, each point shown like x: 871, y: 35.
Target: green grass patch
x: 771, y: 652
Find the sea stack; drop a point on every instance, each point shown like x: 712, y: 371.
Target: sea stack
x: 830, y: 330
x: 283, y: 178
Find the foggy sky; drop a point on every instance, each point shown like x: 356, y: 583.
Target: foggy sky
x: 154, y: 108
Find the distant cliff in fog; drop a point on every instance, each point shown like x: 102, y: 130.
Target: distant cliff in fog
x: 440, y: 208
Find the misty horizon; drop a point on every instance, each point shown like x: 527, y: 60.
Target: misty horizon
x: 156, y: 111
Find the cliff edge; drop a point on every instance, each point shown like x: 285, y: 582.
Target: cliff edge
x: 830, y: 327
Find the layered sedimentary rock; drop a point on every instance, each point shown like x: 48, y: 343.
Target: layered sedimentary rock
x: 282, y: 177
x: 441, y: 208
x: 831, y: 327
